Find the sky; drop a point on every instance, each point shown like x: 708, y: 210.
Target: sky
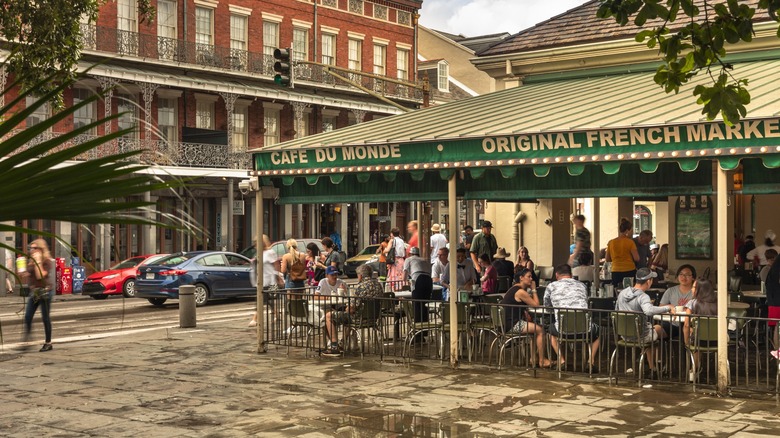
x: 481, y: 17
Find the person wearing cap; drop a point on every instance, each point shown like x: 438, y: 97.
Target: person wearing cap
x: 758, y: 254
x: 566, y: 292
x: 504, y: 267
x: 438, y: 241
x: 484, y: 243
x: 635, y: 299
x: 331, y: 285
x: 418, y: 270
x: 653, y: 252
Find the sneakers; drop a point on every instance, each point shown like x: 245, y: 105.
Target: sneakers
x: 46, y: 347
x: 333, y: 350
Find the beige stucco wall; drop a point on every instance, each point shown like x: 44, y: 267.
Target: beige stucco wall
x: 434, y: 46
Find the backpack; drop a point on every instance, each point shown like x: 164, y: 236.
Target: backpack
x: 298, y: 270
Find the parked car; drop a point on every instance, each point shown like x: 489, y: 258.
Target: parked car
x: 215, y: 274
x: 280, y: 247
x: 367, y: 255
x: 120, y: 279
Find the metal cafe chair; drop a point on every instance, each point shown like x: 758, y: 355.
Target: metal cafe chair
x: 463, y: 326
x: 704, y: 340
x: 504, y: 283
x: 505, y: 339
x: 627, y: 328
x: 574, y: 328
x: 298, y: 312
x: 367, y: 317
x: 413, y: 328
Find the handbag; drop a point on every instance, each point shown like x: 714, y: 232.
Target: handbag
x: 390, y: 256
x: 24, y: 291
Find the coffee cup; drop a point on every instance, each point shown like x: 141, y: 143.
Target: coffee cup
x: 679, y: 309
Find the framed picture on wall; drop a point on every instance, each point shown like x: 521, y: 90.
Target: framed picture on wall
x: 693, y: 228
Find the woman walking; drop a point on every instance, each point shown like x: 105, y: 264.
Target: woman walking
x: 395, y: 271
x: 40, y: 278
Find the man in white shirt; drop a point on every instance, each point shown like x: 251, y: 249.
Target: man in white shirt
x: 467, y: 275
x: 438, y: 241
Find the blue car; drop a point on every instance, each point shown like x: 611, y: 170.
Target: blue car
x: 215, y: 274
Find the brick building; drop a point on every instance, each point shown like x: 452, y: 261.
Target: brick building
x: 197, y: 81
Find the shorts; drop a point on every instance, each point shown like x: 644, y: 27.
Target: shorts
x: 519, y: 327
x: 651, y: 336
x: 341, y: 317
x: 672, y: 330
x: 774, y: 313
x: 595, y: 331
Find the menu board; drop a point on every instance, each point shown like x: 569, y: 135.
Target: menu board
x: 693, y: 228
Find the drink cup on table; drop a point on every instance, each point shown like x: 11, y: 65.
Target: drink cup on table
x: 679, y: 309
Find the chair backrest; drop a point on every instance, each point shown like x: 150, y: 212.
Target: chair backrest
x: 627, y: 325
x: 298, y: 308
x: 573, y: 321
x: 546, y: 272
x: 735, y: 284
x: 504, y: 283
x: 388, y: 302
x: 497, y: 316
x: 705, y: 328
x: 738, y: 316
x: 463, y: 314
x: 370, y: 310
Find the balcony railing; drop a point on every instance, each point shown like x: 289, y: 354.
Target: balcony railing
x: 160, y: 152
x: 120, y: 42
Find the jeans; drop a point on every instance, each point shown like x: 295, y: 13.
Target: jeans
x: 32, y: 304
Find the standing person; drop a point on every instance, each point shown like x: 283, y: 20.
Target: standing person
x: 294, y: 267
x: 581, y: 242
x: 743, y: 250
x: 678, y: 295
x: 622, y: 253
x: 272, y: 278
x: 642, y: 242
x: 483, y: 243
x: 566, y: 292
x: 418, y: 270
x: 330, y: 256
x: 40, y: 279
x: 312, y: 253
x: 468, y: 236
x: 489, y: 279
x: 523, y: 293
x: 773, y: 302
x: 635, y: 299
x: 382, y: 259
x: 504, y: 267
x: 414, y: 236
x: 758, y: 254
x: 438, y: 241
x: 395, y: 270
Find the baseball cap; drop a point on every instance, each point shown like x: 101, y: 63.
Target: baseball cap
x: 643, y: 274
x: 487, y: 224
x: 654, y: 246
x: 331, y: 270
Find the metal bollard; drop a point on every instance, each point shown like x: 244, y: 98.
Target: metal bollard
x: 187, y: 307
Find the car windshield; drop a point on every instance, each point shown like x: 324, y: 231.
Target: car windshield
x: 129, y: 263
x: 369, y: 250
x: 173, y: 260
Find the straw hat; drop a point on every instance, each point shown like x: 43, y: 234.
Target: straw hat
x: 436, y: 228
x: 501, y: 254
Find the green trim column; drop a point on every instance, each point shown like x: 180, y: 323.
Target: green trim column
x: 453, y: 211
x: 722, y: 260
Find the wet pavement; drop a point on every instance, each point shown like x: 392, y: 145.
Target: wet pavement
x: 210, y: 382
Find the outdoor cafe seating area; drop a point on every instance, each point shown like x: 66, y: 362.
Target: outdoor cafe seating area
x: 398, y: 328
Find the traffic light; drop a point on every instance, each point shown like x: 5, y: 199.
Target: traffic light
x: 283, y: 68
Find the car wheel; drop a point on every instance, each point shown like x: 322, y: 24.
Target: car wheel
x: 99, y: 297
x: 128, y: 289
x: 201, y: 294
x: 157, y: 301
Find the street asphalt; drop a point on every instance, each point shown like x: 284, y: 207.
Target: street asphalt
x: 210, y: 381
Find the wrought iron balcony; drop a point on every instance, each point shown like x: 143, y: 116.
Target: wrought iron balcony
x: 160, y: 152
x: 120, y: 42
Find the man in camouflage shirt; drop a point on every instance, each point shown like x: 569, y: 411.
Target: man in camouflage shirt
x: 366, y: 289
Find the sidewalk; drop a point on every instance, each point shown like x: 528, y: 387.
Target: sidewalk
x: 210, y: 382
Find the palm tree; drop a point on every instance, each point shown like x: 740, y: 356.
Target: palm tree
x: 40, y: 174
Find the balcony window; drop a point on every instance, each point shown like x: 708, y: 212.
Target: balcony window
x: 380, y: 59
x: 300, y: 44
x: 86, y: 114
x: 127, y: 107
x: 39, y: 115
x: 240, y: 139
x: 328, y: 123
x: 328, y: 49
x: 204, y: 114
x: 127, y: 26
x: 204, y: 26
x: 271, y: 125
x: 355, y: 54
x: 402, y: 64
x: 167, y: 120
x: 88, y: 32
x: 270, y: 37
x: 238, y: 41
x: 443, y: 77
x: 166, y: 29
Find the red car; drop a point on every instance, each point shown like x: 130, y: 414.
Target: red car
x: 120, y: 279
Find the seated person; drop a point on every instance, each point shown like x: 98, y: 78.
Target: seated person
x: 331, y: 285
x: 678, y: 295
x: 439, y: 267
x: 516, y: 320
x: 467, y: 275
x: 704, y: 303
x: 366, y: 288
x: 635, y: 299
x: 504, y: 267
x: 566, y: 292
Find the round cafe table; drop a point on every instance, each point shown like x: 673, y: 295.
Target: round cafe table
x: 738, y: 305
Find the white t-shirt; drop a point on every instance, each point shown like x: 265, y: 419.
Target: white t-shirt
x: 324, y: 288
x: 438, y: 241
x: 760, y: 251
x: 269, y: 272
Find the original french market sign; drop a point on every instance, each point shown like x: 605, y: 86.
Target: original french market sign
x: 701, y: 136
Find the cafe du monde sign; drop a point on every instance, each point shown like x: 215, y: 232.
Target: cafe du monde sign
x: 746, y: 134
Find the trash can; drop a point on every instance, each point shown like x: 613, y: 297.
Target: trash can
x: 79, y: 275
